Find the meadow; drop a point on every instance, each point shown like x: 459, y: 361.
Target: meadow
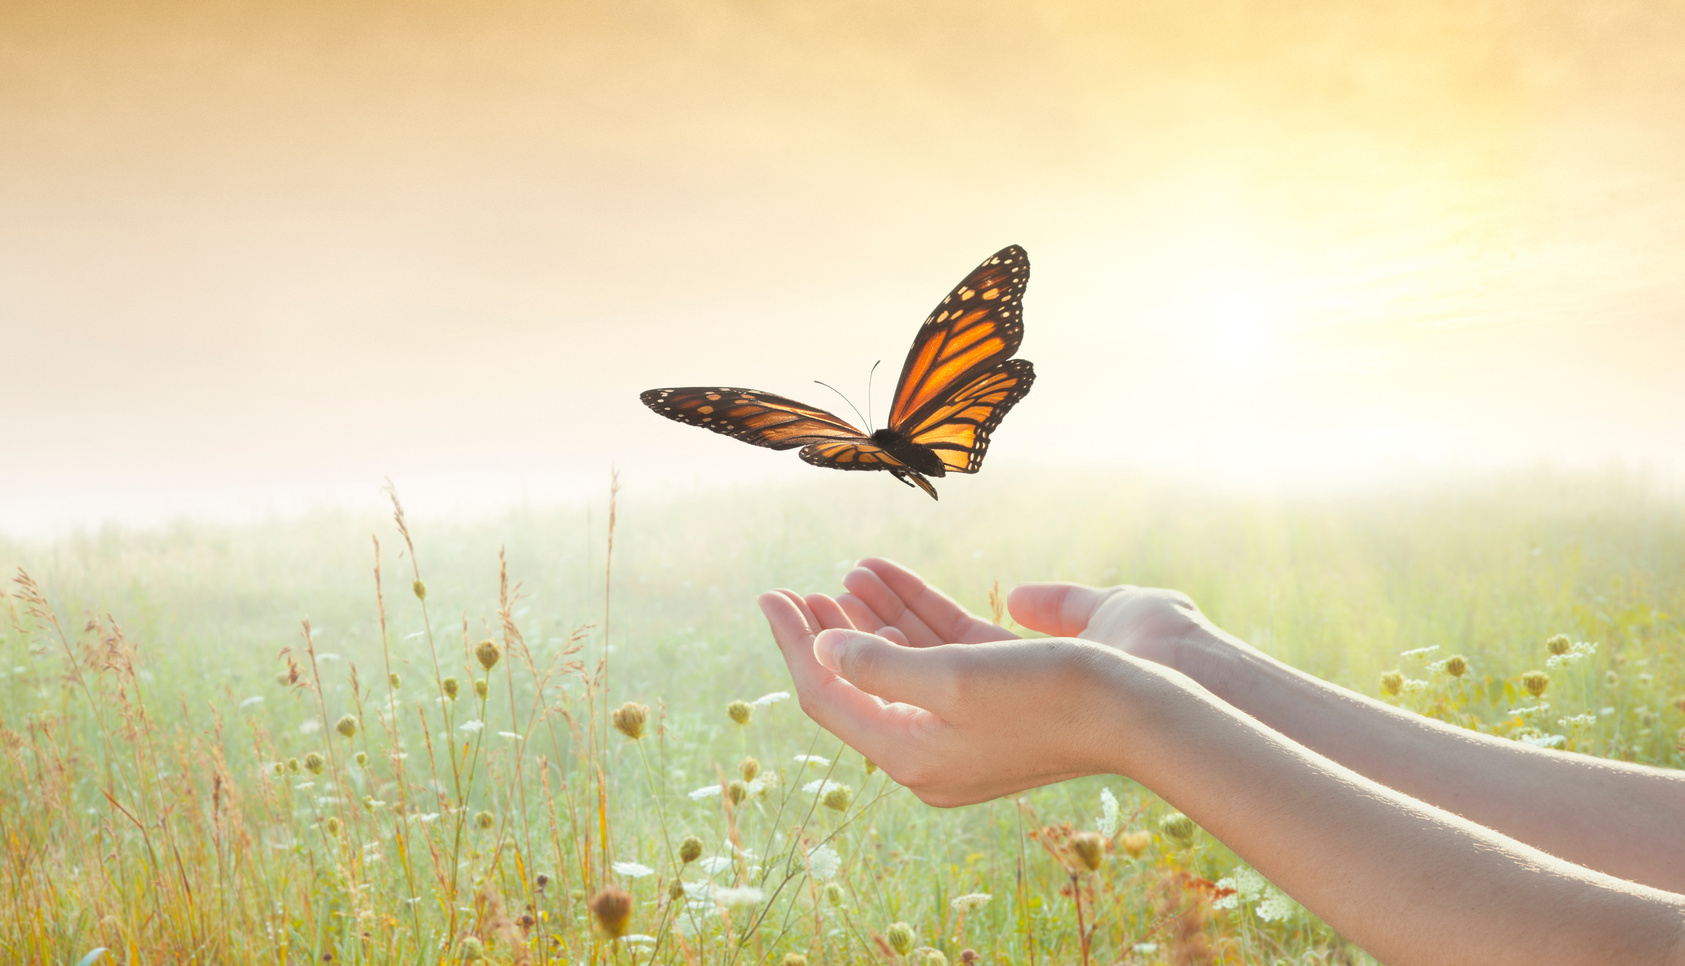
x: 561, y: 734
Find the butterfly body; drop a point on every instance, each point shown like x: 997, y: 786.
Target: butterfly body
x: 957, y: 384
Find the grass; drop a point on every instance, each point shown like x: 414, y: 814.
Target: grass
x: 175, y: 786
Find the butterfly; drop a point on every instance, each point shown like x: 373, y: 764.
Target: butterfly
x: 958, y: 382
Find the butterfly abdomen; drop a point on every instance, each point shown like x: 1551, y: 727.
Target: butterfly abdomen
x: 917, y: 456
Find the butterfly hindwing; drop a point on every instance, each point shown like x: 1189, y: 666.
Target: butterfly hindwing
x: 978, y: 326
x: 863, y: 454
x: 755, y: 417
x: 958, y: 430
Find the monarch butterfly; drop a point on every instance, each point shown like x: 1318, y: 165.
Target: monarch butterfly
x: 959, y: 380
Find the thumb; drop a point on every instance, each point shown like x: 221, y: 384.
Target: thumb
x: 1060, y: 610
x: 893, y: 672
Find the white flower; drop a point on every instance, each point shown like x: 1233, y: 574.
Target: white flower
x: 970, y: 901
x: 819, y: 760
x: 471, y: 726
x: 824, y: 862
x: 1578, y: 721
x: 1231, y: 897
x: 772, y: 698
x: 254, y: 699
x: 328, y: 656
x: 638, y: 939
x: 1110, y: 815
x: 1144, y: 949
x: 706, y: 791
x: 310, y: 727
x: 426, y: 819
x: 820, y: 786
x: 1545, y: 741
x: 1276, y: 906
x: 1420, y: 651
x: 633, y: 870
x: 1413, y: 686
x: 512, y: 736
x: 737, y: 898
x: 714, y: 864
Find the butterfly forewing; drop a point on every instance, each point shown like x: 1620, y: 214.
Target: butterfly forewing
x: 979, y: 325
x: 958, y: 429
x: 752, y: 416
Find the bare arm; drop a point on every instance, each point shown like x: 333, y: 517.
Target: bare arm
x: 1623, y: 819
x: 1410, y: 883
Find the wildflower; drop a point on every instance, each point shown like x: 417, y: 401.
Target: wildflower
x: 481, y: 688
x: 542, y: 880
x: 742, y: 897
x: 824, y: 863
x: 313, y: 762
x: 1456, y: 665
x: 1558, y: 644
x: 471, y: 726
x: 970, y: 901
x: 690, y: 849
x: 1276, y: 906
x: 393, y: 681
x: 472, y: 948
x: 1135, y: 842
x: 488, y: 653
x: 676, y: 890
x: 794, y: 959
x: 1540, y: 740
x: 283, y: 678
x: 633, y: 870
x: 484, y: 820
x: 934, y: 957
x: 629, y: 719
x: 1420, y: 651
x: 1535, y: 682
x: 370, y: 803
x: 1413, y: 686
x: 1178, y: 828
x: 771, y: 699
x: 838, y: 798
x: 361, y: 758
x: 254, y: 699
x: 871, y: 766
x: 331, y: 826
x: 511, y: 735
x: 347, y: 726
x: 740, y: 711
x: 1392, y: 682
x: 833, y: 893
x: 715, y: 864
x: 706, y: 791
x: 420, y: 589
x: 1110, y: 815
x: 612, y: 909
x: 1144, y: 949
x: 748, y: 768
x: 819, y: 786
x: 1090, y: 848
x: 900, y: 937
x: 450, y: 686
x: 969, y: 956
x: 819, y: 760
x: 737, y: 790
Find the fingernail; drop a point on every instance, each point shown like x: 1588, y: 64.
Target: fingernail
x: 828, y: 648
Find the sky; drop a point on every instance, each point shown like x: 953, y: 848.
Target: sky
x: 261, y: 254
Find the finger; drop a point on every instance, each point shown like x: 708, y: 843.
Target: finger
x: 921, y: 677
x: 942, y: 614
x: 889, y: 608
x: 865, y: 722
x: 1062, y: 610
x: 865, y: 620
x: 829, y: 614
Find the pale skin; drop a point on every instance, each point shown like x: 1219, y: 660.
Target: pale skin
x: 1421, y: 842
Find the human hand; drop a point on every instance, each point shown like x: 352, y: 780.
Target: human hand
x: 889, y: 600
x: 957, y: 724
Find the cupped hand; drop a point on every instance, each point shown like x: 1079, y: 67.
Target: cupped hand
x: 956, y: 724
x: 889, y: 600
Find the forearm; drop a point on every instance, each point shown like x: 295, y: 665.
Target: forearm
x: 1408, y: 882
x: 1614, y: 817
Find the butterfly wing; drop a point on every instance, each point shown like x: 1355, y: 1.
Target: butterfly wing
x: 863, y: 454
x: 957, y: 427
x: 759, y: 418
x: 975, y: 329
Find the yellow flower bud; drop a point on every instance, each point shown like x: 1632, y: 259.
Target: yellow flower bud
x: 1535, y: 682
x: 900, y: 937
x: 1392, y: 682
x: 347, y: 726
x: 420, y: 589
x: 1135, y: 842
x: 612, y: 909
x: 1178, y: 828
x: 488, y: 653
x: 450, y: 686
x: 740, y: 711
x: 838, y: 798
x: 1559, y: 644
x: 313, y: 762
x: 690, y: 849
x: 1456, y: 665
x: 629, y: 719
x: 748, y: 768
x: 1090, y: 848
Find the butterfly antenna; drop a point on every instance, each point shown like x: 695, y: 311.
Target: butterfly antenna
x: 869, y: 376
x: 850, y: 404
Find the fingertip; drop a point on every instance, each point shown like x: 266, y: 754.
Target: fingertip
x: 829, y: 647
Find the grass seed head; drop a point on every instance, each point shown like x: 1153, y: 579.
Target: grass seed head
x: 838, y: 798
x: 690, y: 849
x: 629, y: 719
x: 1535, y: 682
x: 1559, y: 644
x: 313, y: 762
x: 749, y: 768
x: 1456, y: 665
x: 612, y: 910
x: 347, y: 726
x: 488, y: 653
x: 1392, y: 682
x: 900, y: 937
x: 740, y: 711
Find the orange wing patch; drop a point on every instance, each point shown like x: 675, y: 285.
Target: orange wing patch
x: 758, y: 418
x: 958, y: 429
